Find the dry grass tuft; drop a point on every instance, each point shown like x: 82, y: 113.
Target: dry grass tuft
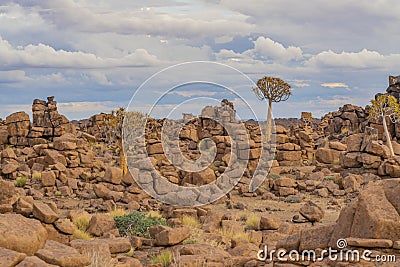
x: 79, y: 234
x: 191, y: 221
x: 82, y: 222
x: 253, y: 222
x: 116, y: 212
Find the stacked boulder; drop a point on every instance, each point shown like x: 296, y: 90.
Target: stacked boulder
x: 47, y: 123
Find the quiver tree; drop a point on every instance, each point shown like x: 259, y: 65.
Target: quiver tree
x: 273, y: 90
x: 112, y: 125
x: 385, y: 106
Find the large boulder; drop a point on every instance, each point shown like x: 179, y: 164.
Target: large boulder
x: 113, y: 175
x: 312, y: 212
x: 99, y: 224
x: 327, y: 155
x: 62, y: 255
x: 374, y: 215
x: 204, y: 177
x: 10, y: 257
x: 18, y: 124
x: 21, y: 234
x: 44, y: 213
x: 166, y: 236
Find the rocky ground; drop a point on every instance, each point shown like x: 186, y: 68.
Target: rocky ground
x: 65, y: 200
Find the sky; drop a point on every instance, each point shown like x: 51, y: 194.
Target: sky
x: 94, y: 55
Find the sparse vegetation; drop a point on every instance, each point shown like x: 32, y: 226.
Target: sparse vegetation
x: 137, y: 224
x: 330, y: 178
x: 130, y: 252
x: 117, y: 212
x: 253, y: 222
x: 21, y: 181
x: 191, y: 221
x: 36, y: 176
x: 273, y: 176
x: 383, y: 107
x: 292, y: 199
x: 234, y: 234
x: 79, y: 234
x: 82, y: 222
x: 165, y: 258
x: 154, y: 214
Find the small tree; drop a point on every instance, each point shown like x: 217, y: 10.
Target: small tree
x: 385, y: 106
x: 273, y: 90
x: 112, y: 124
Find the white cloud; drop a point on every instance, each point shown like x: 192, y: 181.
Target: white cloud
x: 93, y: 19
x: 299, y: 83
x: 335, y: 85
x: 44, y: 56
x: 364, y: 59
x: 270, y: 49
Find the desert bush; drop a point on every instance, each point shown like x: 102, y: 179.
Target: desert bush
x: 137, y: 224
x: 21, y: 181
x: 165, y: 258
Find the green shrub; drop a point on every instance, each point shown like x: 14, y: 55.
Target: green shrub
x: 20, y: 181
x: 330, y: 178
x: 137, y: 224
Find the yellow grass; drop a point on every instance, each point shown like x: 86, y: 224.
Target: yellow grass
x: 165, y: 258
x: 154, y: 214
x: 36, y: 176
x: 253, y: 222
x: 234, y: 234
x: 190, y: 221
x: 79, y: 234
x: 116, y: 212
x: 82, y: 222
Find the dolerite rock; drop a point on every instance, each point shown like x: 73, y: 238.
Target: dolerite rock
x: 166, y: 236
x: 327, y: 156
x: 373, y: 215
x: 269, y: 223
x: 44, y: 213
x: 21, y: 234
x: 33, y: 261
x: 10, y: 257
x: 113, y: 175
x: 312, y: 212
x: 100, y: 224
x: 18, y: 124
x: 204, y: 177
x: 62, y: 255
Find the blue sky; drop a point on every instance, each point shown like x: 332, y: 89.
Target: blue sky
x: 93, y: 55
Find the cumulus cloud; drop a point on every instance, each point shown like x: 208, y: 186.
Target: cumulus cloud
x: 361, y: 60
x: 44, y: 56
x: 270, y: 49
